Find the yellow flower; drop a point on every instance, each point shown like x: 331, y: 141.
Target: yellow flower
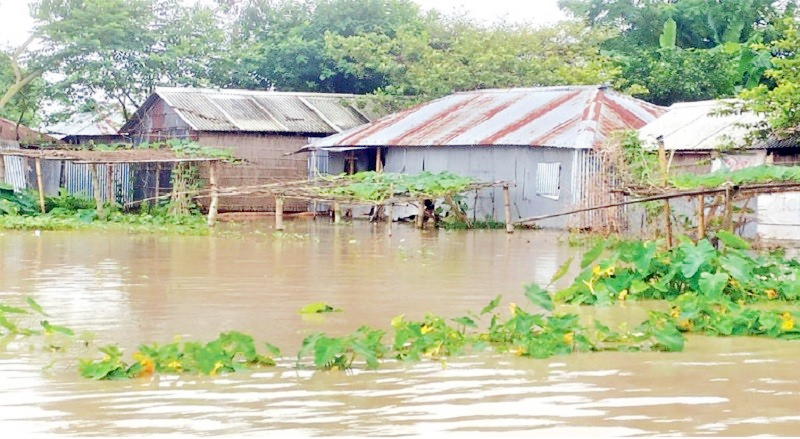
x: 512, y: 308
x: 685, y: 324
x: 424, y: 329
x: 596, y: 270
x: 217, y: 366
x: 569, y: 337
x: 174, y: 364
x: 622, y: 295
x: 609, y: 271
x: 518, y: 350
x: 771, y: 294
x: 675, y: 312
x: 787, y: 323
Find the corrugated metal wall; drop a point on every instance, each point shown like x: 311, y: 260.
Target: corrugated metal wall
x: 513, y: 164
x: 78, y: 181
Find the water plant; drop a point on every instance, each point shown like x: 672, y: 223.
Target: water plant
x: 230, y: 352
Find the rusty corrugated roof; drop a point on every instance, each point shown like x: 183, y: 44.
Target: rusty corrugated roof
x: 10, y: 131
x: 257, y: 111
x: 567, y: 117
x: 698, y: 126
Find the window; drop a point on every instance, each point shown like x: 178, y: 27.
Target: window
x: 548, y: 177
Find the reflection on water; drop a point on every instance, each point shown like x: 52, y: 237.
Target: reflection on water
x: 142, y: 289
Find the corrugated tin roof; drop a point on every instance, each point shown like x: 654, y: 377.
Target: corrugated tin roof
x: 85, y: 124
x: 258, y: 111
x: 566, y: 117
x: 696, y: 126
x: 9, y: 131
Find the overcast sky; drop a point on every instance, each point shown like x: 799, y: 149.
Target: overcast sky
x: 15, y: 22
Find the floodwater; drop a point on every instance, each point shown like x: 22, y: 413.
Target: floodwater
x: 136, y: 289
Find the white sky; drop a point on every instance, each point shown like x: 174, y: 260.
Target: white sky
x: 15, y: 21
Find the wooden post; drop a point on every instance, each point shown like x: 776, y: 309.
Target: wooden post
x: 727, y: 222
x: 98, y: 198
x: 507, y: 209
x: 456, y: 210
x: 212, y: 182
x: 40, y: 183
x: 278, y: 213
x: 337, y: 212
x: 389, y: 213
x: 701, y: 217
x: 110, y: 198
x: 421, y: 215
x: 158, y: 182
x: 378, y: 161
x: 2, y: 169
x: 668, y: 220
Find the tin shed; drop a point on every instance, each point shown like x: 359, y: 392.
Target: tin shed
x: 542, y: 139
x: 260, y: 127
x: 700, y: 138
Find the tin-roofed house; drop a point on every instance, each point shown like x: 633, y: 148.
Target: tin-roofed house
x: 261, y: 127
x: 541, y: 139
x: 86, y: 128
x: 705, y: 136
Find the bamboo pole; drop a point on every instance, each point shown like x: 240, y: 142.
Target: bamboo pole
x: 701, y: 217
x: 278, y: 213
x: 157, y: 190
x: 40, y: 183
x: 98, y: 198
x: 389, y: 213
x: 337, y: 212
x: 421, y: 215
x: 456, y: 209
x: 213, y: 206
x: 507, y: 209
x: 110, y: 184
x: 2, y: 169
x: 663, y: 167
x: 727, y: 222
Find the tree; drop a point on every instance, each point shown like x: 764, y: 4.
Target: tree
x: 120, y: 50
x: 780, y: 102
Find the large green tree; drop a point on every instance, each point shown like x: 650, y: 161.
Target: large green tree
x: 714, y: 47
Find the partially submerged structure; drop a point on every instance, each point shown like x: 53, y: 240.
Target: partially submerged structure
x: 260, y: 127
x: 705, y: 136
x: 543, y: 140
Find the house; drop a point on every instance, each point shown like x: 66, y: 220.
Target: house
x: 699, y: 138
x: 541, y: 139
x: 85, y: 128
x: 261, y: 127
x: 18, y: 171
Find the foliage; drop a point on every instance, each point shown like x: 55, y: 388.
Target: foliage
x: 638, y: 270
x: 230, y: 352
x: 379, y: 186
x: 749, y: 175
x: 779, y: 101
x: 317, y: 308
x: 17, y: 203
x: 340, y: 353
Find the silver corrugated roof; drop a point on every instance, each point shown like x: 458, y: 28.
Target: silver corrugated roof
x: 85, y: 124
x: 258, y: 111
x: 697, y: 126
x: 568, y: 117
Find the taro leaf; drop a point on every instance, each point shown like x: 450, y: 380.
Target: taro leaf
x: 48, y: 328
x: 642, y: 255
x: 491, y: 306
x: 35, y: 306
x: 592, y: 254
x: 326, y: 350
x: 539, y: 296
x: 712, y: 285
x: 732, y: 241
x: 562, y: 270
x: 272, y: 350
x: 466, y: 322
x: 695, y: 257
x: 12, y: 309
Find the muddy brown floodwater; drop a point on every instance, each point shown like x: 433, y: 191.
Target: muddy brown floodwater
x: 135, y: 289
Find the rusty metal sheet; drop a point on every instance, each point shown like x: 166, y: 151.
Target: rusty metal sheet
x: 562, y: 117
